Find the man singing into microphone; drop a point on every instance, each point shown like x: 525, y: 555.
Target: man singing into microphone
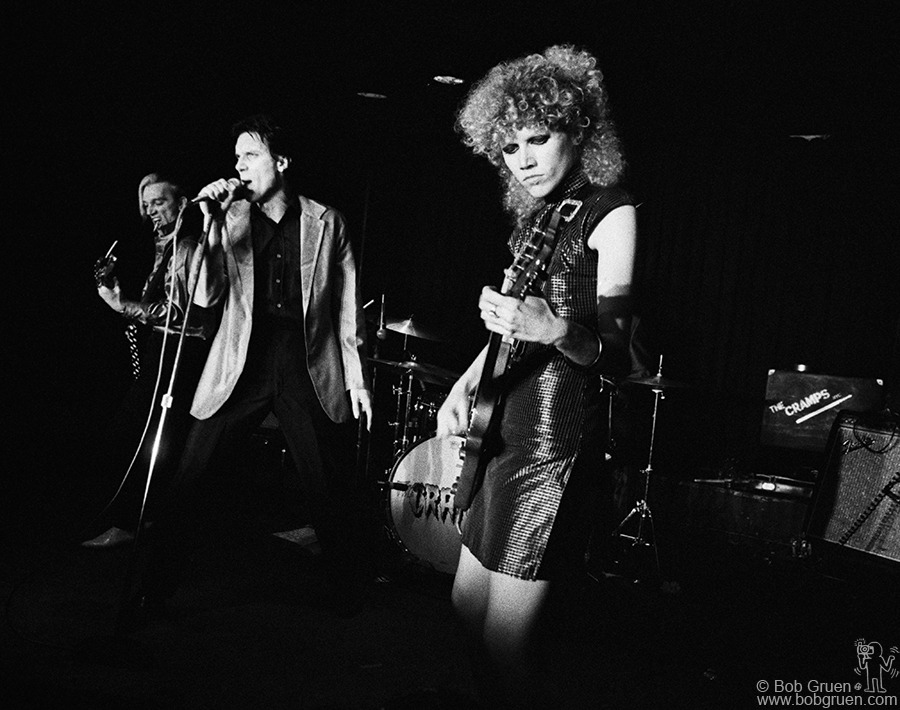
x: 291, y: 341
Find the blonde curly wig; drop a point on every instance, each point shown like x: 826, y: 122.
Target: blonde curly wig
x: 560, y: 89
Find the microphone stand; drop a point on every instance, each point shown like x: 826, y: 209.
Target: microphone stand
x: 165, y: 403
x: 121, y: 649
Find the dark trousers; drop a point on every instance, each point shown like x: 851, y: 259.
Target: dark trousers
x: 139, y: 415
x: 274, y: 378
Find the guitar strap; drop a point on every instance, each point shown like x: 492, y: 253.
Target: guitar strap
x: 564, y: 211
x: 155, y: 283
x: 134, y: 349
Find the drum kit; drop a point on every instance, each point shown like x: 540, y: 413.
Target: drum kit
x: 419, y: 485
x: 422, y: 517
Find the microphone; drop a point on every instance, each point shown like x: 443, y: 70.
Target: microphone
x: 235, y: 187
x: 381, y: 333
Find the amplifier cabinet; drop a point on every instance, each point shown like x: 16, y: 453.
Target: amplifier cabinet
x: 858, y: 503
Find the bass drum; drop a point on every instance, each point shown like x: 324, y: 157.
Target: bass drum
x: 421, y: 502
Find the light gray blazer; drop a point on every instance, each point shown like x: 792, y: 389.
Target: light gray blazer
x: 333, y: 319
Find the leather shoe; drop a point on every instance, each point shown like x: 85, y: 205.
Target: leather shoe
x: 114, y: 537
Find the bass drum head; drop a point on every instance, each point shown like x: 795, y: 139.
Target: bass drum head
x: 421, y: 502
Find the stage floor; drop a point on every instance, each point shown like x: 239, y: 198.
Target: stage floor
x: 251, y: 629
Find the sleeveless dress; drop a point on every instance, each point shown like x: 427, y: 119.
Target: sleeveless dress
x: 552, y: 420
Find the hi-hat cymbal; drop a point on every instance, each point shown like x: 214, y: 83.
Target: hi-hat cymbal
x: 430, y: 373
x: 409, y: 327
x: 656, y: 381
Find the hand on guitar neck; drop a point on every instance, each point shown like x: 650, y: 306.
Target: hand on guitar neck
x: 503, y: 314
x: 103, y: 268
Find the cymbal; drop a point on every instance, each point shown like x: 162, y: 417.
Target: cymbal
x: 421, y: 371
x: 430, y: 373
x: 656, y: 381
x: 409, y: 327
x: 392, y: 364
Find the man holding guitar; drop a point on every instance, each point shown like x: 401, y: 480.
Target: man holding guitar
x: 558, y: 330
x: 130, y: 433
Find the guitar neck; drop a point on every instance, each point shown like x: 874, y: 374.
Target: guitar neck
x: 496, y: 360
x: 530, y: 266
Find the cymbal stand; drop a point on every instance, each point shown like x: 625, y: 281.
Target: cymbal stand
x: 641, y: 508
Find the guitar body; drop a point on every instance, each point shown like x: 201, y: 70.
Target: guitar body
x: 483, y: 417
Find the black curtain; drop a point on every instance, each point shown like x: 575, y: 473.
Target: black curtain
x: 757, y: 256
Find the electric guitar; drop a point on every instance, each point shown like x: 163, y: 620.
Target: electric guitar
x: 529, y: 265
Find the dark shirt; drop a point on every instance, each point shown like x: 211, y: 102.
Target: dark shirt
x: 278, y: 298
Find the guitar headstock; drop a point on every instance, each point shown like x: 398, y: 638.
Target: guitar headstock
x: 103, y: 268
x: 103, y: 271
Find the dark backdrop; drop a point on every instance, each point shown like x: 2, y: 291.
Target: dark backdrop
x: 758, y: 250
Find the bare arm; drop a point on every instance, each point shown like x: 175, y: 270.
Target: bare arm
x: 453, y: 416
x: 533, y: 320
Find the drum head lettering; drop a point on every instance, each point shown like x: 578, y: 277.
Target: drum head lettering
x: 422, y: 513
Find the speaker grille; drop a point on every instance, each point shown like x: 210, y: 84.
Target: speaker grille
x: 858, y: 505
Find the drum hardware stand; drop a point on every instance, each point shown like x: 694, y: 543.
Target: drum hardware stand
x: 641, y: 508
x: 404, y: 394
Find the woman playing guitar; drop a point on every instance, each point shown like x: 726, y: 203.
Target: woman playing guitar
x: 534, y: 436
